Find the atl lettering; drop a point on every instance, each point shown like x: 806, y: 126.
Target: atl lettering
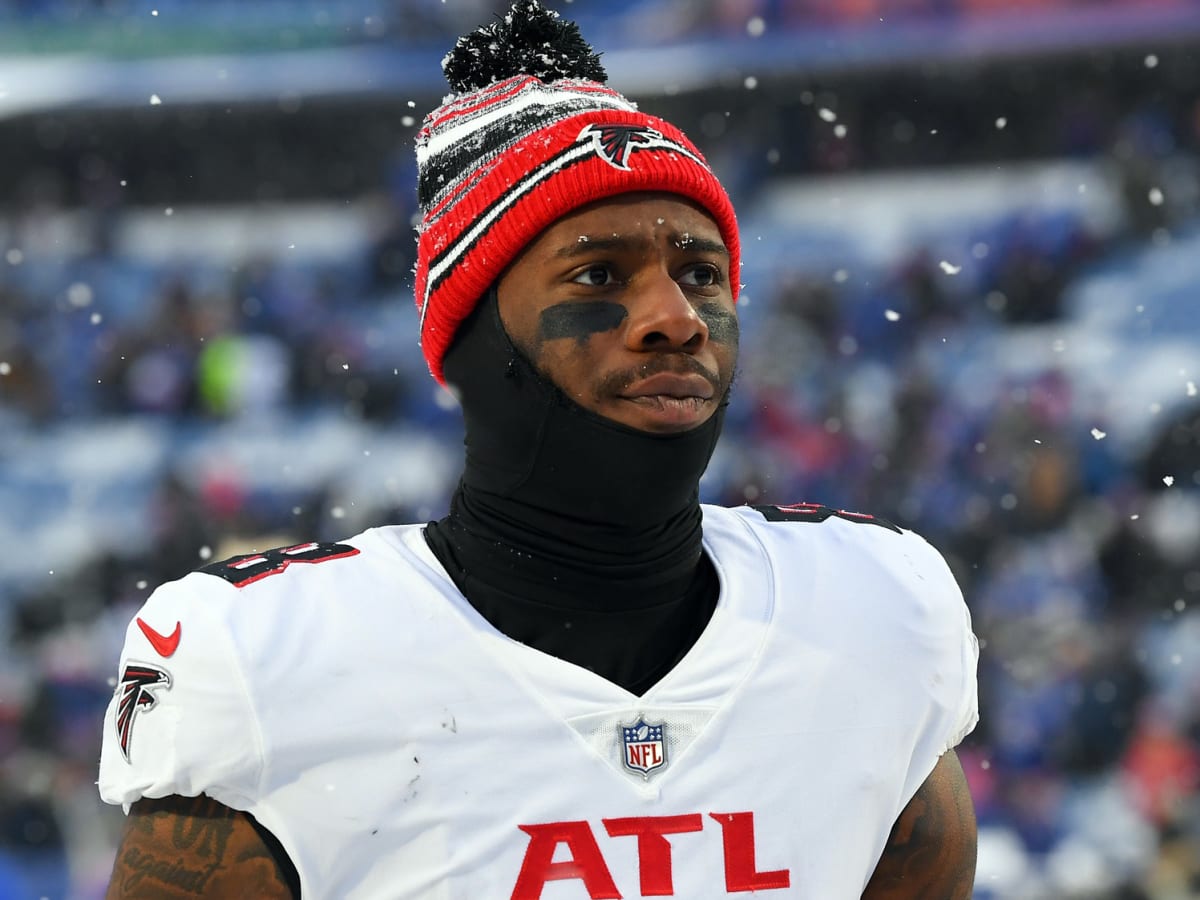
x: 586, y: 862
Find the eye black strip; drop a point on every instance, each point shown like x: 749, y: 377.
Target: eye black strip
x: 579, y: 320
x: 722, y: 324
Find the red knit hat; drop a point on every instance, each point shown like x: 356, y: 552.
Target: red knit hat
x: 531, y: 134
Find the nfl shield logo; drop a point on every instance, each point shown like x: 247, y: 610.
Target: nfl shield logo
x: 644, y: 747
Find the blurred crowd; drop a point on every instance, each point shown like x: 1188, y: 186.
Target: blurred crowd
x: 171, y: 407
x: 1081, y: 564
x: 415, y: 20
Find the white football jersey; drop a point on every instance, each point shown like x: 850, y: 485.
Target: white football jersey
x: 398, y: 746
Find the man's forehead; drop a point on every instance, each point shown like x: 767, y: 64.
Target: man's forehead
x: 643, y: 208
x: 632, y: 218
x: 635, y: 239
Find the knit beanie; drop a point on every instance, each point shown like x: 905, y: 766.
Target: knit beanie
x: 530, y: 134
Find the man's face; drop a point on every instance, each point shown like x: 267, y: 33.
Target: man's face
x: 626, y: 306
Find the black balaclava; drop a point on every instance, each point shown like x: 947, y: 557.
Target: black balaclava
x: 570, y: 532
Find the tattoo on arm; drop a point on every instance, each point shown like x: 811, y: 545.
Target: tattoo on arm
x: 931, y: 852
x: 189, y: 847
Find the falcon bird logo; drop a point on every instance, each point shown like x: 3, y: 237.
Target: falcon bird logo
x: 614, y: 143
x: 137, y: 687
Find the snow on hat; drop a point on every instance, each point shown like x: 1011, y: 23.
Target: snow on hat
x: 529, y: 134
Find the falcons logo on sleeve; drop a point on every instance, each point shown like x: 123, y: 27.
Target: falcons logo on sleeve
x: 614, y: 143
x: 137, y: 687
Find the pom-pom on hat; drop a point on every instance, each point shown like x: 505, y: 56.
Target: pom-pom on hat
x: 529, y: 134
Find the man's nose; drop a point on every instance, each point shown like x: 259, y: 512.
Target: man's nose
x: 662, y: 317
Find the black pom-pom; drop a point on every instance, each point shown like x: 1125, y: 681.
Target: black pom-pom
x: 529, y: 40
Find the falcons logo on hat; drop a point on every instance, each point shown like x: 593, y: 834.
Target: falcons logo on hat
x: 137, y: 694
x: 614, y: 143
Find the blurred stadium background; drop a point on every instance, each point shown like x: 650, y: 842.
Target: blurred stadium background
x: 972, y: 304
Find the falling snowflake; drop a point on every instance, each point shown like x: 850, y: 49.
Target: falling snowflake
x: 891, y: 315
x: 950, y: 268
x: 1168, y: 480
x: 79, y: 294
x: 1001, y: 122
x: 1098, y: 434
x: 155, y: 100
x: 827, y: 114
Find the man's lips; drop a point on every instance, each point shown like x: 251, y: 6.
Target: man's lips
x: 671, y: 384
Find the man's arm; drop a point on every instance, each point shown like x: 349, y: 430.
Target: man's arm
x: 193, y: 847
x: 931, y: 852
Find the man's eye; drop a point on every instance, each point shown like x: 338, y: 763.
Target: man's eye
x: 596, y: 276
x: 701, y: 276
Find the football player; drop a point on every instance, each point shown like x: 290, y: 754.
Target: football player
x: 581, y: 683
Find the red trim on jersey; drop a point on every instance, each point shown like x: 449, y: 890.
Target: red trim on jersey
x: 284, y: 563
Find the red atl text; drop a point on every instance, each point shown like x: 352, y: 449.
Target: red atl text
x: 586, y: 862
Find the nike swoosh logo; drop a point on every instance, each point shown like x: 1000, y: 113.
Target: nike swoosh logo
x: 164, y: 645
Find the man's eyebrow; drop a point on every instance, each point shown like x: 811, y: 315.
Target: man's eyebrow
x: 703, y: 245
x: 587, y: 244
